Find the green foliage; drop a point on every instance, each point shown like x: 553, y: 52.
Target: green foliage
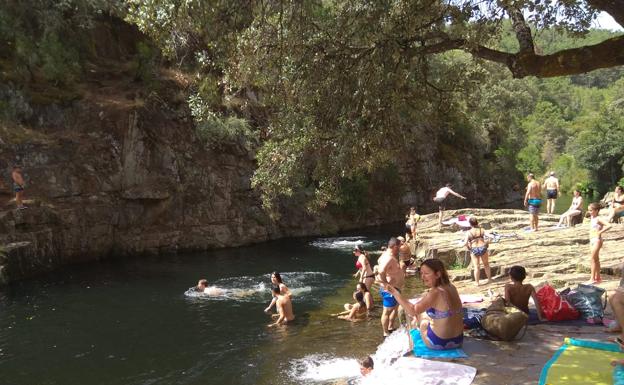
x: 218, y: 133
x: 46, y: 36
x: 569, y: 173
x: 529, y: 159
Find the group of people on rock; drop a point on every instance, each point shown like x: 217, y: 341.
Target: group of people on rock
x: 597, y: 225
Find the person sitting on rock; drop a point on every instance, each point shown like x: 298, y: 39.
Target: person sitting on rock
x: 575, y: 209
x: 617, y: 204
x: 518, y: 293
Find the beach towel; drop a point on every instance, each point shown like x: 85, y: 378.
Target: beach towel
x: 421, y: 350
x: 581, y: 362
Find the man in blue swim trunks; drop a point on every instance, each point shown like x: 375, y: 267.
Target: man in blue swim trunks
x: 533, y: 200
x: 390, y: 273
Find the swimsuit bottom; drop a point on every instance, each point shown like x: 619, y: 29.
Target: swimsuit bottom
x: 407, y: 262
x: 535, y: 202
x: 387, y: 298
x: 551, y: 194
x: 438, y: 343
x: 479, y: 250
x: 17, y: 188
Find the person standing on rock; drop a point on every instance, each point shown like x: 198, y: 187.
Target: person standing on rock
x: 405, y: 254
x: 551, y: 184
x: 597, y: 226
x: 390, y: 274
x: 475, y: 242
x: 18, y: 186
x: 533, y: 200
x: 440, y: 199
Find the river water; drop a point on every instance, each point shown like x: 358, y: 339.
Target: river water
x: 130, y: 322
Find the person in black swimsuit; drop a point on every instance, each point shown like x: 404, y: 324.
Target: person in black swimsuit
x: 617, y: 204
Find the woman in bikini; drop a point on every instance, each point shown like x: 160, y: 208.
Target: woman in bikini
x: 276, y: 280
x: 365, y: 271
x: 617, y: 204
x: 366, y: 295
x: 358, y: 311
x: 478, y: 247
x: 442, y: 325
x: 597, y: 226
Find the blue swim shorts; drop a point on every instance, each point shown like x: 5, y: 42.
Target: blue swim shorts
x: 387, y: 298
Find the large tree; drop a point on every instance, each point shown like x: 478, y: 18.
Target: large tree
x: 350, y: 83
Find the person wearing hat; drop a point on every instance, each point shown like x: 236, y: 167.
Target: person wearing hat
x: 551, y: 184
x: 364, y: 271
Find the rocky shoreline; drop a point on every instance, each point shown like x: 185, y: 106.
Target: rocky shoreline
x: 557, y: 256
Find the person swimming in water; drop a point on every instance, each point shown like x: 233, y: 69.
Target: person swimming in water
x: 366, y: 366
x: 285, y: 312
x: 201, y: 285
x: 276, y: 280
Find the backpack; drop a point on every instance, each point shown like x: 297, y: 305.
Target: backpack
x: 504, y: 322
x: 587, y: 299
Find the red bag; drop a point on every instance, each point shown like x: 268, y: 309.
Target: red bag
x: 554, y: 307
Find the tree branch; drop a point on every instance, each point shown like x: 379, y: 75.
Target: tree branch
x: 523, y: 32
x: 612, y: 7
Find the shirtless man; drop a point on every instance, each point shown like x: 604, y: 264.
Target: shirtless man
x: 405, y: 254
x: 440, y: 198
x: 390, y: 273
x: 18, y: 186
x: 551, y: 184
x: 284, y: 308
x: 533, y: 200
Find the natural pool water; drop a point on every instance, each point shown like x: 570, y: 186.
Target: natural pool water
x: 128, y: 321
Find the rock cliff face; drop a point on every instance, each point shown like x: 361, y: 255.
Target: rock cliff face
x: 116, y: 168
